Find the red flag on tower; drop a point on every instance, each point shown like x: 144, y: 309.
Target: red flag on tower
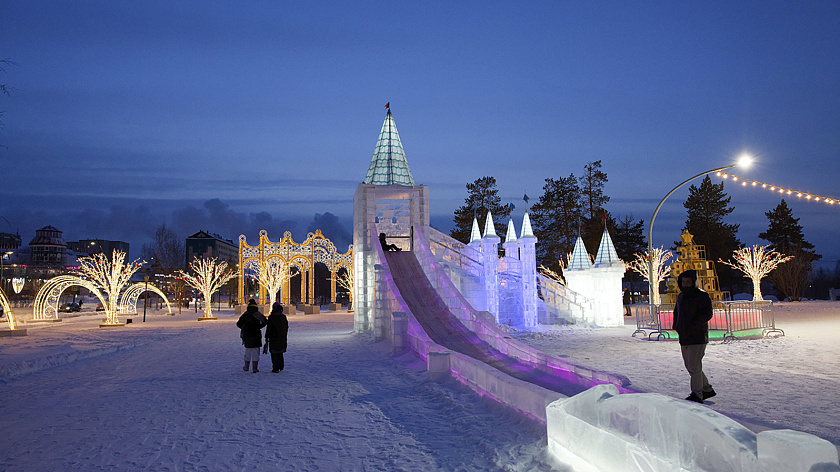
x: 388, y: 105
x: 604, y: 218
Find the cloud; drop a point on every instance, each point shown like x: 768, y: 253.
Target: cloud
x: 332, y: 229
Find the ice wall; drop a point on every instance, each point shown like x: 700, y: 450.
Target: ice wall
x: 600, y: 430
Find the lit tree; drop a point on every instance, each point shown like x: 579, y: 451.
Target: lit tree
x: 551, y: 274
x: 110, y: 276
x: 209, y: 276
x: 273, y: 272
x: 756, y: 262
x: 346, y: 281
x: 640, y: 266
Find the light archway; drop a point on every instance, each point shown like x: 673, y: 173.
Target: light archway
x: 128, y: 300
x: 48, y: 297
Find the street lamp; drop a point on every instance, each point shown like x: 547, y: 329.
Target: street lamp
x: 744, y: 161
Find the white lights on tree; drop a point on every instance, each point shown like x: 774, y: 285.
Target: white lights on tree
x: 110, y: 276
x: 551, y: 274
x: 640, y: 266
x: 756, y: 262
x: 209, y: 277
x: 346, y: 281
x: 272, y: 274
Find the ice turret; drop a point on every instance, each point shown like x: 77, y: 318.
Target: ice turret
x: 580, y: 258
x: 475, y: 234
x: 489, y: 227
x: 606, y: 251
x: 389, y: 165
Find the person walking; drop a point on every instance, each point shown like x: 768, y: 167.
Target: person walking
x: 692, y: 313
x: 250, y: 324
x: 276, y: 335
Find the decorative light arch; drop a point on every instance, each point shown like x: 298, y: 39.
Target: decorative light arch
x: 316, y: 248
x: 128, y: 300
x: 48, y: 297
x: 7, y: 309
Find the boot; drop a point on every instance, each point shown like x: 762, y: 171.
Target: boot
x: 247, y: 364
x: 255, y: 367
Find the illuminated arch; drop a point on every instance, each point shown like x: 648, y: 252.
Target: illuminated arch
x: 128, y: 300
x: 316, y: 248
x: 7, y: 309
x: 46, y: 301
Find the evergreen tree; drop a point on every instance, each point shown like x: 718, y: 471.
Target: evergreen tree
x: 784, y: 232
x: 707, y: 206
x: 555, y: 219
x: 592, y: 190
x: 592, y: 202
x: 629, y: 240
x: 482, y: 195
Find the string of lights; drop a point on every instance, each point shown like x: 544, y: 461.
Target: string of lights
x: 777, y: 189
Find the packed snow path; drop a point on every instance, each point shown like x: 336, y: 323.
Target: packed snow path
x: 445, y: 329
x: 180, y: 401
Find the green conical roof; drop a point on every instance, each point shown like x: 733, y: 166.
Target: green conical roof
x: 388, y: 165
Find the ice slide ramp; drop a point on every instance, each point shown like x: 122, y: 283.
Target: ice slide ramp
x: 445, y: 329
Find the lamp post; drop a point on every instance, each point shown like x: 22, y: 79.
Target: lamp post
x: 744, y: 161
x: 145, y: 295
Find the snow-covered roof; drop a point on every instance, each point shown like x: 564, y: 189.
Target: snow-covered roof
x: 388, y: 165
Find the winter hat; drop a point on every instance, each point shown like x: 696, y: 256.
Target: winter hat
x: 277, y: 308
x: 252, y: 302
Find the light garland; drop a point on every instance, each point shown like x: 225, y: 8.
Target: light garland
x: 777, y: 189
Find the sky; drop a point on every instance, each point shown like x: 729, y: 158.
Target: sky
x: 233, y: 117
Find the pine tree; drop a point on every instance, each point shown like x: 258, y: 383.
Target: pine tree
x: 629, y: 240
x: 555, y: 219
x: 592, y: 202
x: 482, y: 195
x: 707, y: 206
x: 784, y: 232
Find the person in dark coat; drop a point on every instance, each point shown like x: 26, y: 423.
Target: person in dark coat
x: 276, y: 334
x: 250, y: 324
x: 627, y: 300
x: 692, y: 313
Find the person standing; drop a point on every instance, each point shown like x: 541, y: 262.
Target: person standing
x: 276, y: 335
x: 692, y: 313
x: 250, y: 324
x: 627, y: 300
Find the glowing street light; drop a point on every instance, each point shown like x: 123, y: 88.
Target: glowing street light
x: 744, y: 161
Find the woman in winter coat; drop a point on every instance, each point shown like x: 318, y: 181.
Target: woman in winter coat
x: 275, y: 337
x: 250, y: 325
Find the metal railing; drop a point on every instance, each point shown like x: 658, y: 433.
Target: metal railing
x: 728, y: 317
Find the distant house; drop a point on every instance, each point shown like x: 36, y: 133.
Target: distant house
x: 96, y: 246
x: 47, y: 250
x: 9, y: 241
x: 209, y: 245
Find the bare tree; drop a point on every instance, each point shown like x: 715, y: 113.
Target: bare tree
x: 756, y: 262
x: 167, y: 250
x: 791, y: 277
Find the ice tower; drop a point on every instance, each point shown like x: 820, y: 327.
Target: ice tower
x: 599, y: 281
x: 386, y: 202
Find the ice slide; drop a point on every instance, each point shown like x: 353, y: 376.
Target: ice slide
x: 445, y: 329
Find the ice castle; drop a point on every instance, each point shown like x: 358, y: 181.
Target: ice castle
x: 506, y: 288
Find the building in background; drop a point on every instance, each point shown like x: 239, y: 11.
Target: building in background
x: 97, y: 246
x: 48, y: 250
x: 209, y: 245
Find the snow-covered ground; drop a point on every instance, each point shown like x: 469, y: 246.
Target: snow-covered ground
x: 170, y: 394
